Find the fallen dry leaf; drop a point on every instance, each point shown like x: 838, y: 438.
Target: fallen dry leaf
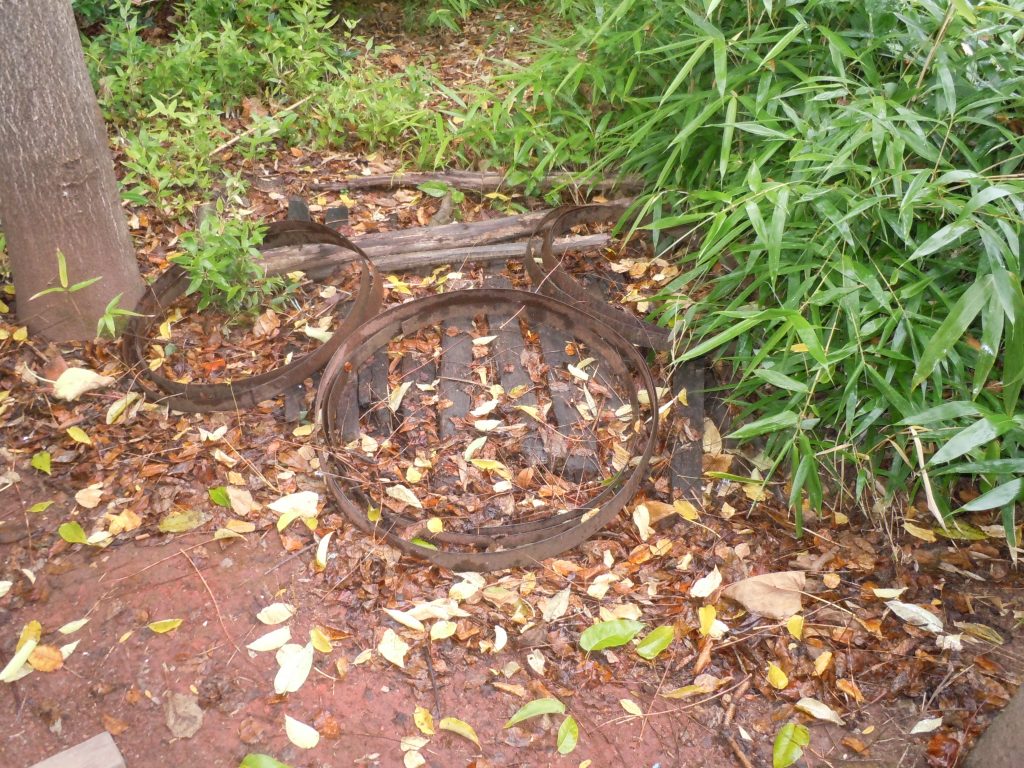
x: 772, y: 595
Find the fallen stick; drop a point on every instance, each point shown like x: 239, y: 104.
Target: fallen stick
x: 312, y: 258
x: 474, y: 181
x: 255, y: 126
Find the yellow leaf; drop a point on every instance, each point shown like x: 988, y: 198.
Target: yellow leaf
x: 822, y: 663
x: 320, y: 640
x: 686, y: 510
x: 925, y: 534
x: 473, y: 447
x: 795, y: 625
x: 435, y: 525
x: 465, y: 730
x: 631, y: 707
x: 30, y: 633
x: 402, y: 494
x: 20, y: 334
x: 304, y: 430
x: 424, y: 720
x: 240, y: 526
x: 276, y: 613
x: 73, y: 626
x: 164, y: 625
x: 413, y: 474
x: 776, y: 677
x: 442, y: 630
x: 706, y: 614
x: 79, y: 435
x: 393, y: 648
x: 490, y: 465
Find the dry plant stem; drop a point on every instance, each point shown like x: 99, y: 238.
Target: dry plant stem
x: 933, y: 507
x: 288, y: 559
x: 216, y: 607
x: 654, y: 699
x: 255, y: 126
x: 684, y: 708
x: 433, y: 679
x: 741, y: 758
x: 730, y: 713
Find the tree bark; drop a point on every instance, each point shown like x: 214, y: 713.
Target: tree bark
x: 57, y: 184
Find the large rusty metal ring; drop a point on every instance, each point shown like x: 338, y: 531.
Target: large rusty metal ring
x: 249, y: 391
x: 551, y: 278
x: 492, y: 547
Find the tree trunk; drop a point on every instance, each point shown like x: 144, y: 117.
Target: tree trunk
x: 57, y: 184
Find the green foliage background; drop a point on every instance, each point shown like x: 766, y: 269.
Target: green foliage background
x: 851, y: 169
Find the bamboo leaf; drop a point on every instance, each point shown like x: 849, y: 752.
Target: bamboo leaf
x: 952, y: 329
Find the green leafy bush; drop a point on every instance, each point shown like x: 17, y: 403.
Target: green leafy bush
x: 221, y: 260
x: 853, y: 171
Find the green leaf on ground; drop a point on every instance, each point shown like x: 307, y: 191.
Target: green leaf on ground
x: 609, y: 634
x: 789, y: 745
x: 536, y: 708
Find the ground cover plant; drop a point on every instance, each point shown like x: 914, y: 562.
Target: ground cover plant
x: 853, y: 172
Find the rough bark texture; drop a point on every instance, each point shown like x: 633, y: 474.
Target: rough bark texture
x: 57, y: 184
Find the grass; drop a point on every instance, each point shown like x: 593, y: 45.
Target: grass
x: 852, y: 171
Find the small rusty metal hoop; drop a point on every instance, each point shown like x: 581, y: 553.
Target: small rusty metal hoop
x: 251, y: 390
x: 499, y: 546
x: 551, y: 278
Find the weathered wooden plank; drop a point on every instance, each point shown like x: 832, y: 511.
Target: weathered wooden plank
x: 580, y: 457
x: 416, y: 369
x: 507, y: 350
x: 688, y: 454
x: 98, y: 752
x: 456, y: 359
x: 373, y: 394
x: 319, y: 259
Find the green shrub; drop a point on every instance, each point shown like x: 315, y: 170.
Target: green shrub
x: 221, y: 260
x: 854, y: 172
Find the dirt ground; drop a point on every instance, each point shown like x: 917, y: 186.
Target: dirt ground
x: 123, y: 675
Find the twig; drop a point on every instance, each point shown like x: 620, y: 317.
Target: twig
x: 288, y: 559
x: 737, y: 750
x: 216, y: 607
x: 730, y: 713
x: 255, y: 126
x: 935, y: 46
x: 433, y: 680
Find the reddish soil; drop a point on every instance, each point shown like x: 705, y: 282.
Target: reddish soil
x: 123, y: 686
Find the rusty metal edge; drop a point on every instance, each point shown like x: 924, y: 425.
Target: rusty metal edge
x: 551, y: 278
x: 531, y: 542
x: 253, y: 389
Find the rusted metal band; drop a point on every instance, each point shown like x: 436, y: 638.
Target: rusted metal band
x: 551, y: 278
x: 251, y: 390
x: 492, y: 547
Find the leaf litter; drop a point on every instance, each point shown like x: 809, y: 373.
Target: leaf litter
x: 661, y: 624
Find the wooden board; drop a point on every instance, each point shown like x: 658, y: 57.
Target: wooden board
x: 98, y: 752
